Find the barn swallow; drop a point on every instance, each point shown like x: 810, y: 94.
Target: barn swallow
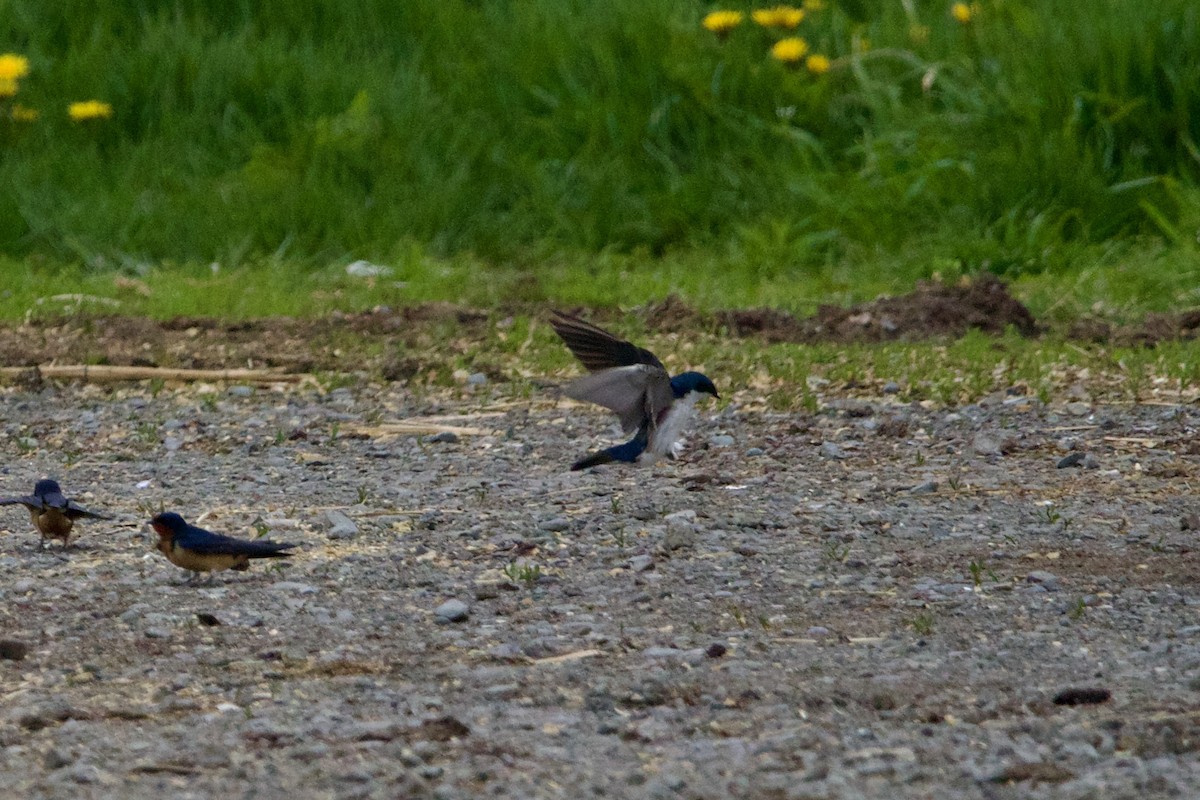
x: 52, y: 514
x: 631, y: 381
x: 199, y: 550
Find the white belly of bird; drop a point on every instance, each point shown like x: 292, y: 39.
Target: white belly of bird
x: 667, y: 440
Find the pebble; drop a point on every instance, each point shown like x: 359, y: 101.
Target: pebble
x: 891, y: 387
x: 443, y: 437
x: 241, y: 391
x: 641, y: 563
x: 754, y: 452
x: 340, y: 525
x: 477, y: 379
x: 985, y: 445
x: 722, y: 440
x: 1073, y: 460
x: 1047, y: 579
x: 555, y: 524
x: 928, y: 487
x: 452, y: 611
x: 832, y: 450
x: 13, y: 650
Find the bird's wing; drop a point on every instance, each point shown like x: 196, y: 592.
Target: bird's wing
x: 636, y: 393
x: 205, y: 542
x: 28, y: 500
x: 75, y: 511
x: 598, y: 349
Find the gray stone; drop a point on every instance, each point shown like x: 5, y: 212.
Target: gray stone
x: 452, y: 611
x: 443, y: 437
x: 832, y: 450
x: 985, y: 445
x: 1047, y: 579
x: 722, y: 440
x: 340, y: 525
x: 1073, y: 460
x: 641, y: 563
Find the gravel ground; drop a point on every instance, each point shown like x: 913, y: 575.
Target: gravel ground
x: 878, y: 600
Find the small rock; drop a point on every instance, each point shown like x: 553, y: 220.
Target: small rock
x: 1190, y: 522
x: 444, y: 437
x: 641, y: 563
x: 722, y: 440
x: 832, y: 450
x: 662, y: 652
x: 1073, y: 460
x: 716, y: 650
x: 241, y: 391
x: 928, y: 487
x: 13, y: 650
x: 555, y: 524
x: 891, y: 387
x: 452, y: 611
x: 296, y: 587
x: 985, y: 445
x: 340, y: 526
x: 172, y: 443
x: 477, y: 379
x: 365, y: 269
x: 56, y: 758
x: 818, y: 632
x: 1091, y: 462
x: 1082, y: 697
x: 157, y: 633
x: 754, y: 452
x: 1078, y: 409
x: 1047, y: 579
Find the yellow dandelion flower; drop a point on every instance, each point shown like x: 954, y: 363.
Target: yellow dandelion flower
x: 813, y: 6
x: 722, y: 22
x: 817, y: 64
x: 962, y: 13
x: 89, y: 109
x: 790, y: 50
x: 778, y: 17
x: 8, y: 87
x: 13, y: 66
x: 22, y: 114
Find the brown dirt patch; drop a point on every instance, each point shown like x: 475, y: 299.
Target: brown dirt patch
x: 400, y: 342
x: 933, y: 310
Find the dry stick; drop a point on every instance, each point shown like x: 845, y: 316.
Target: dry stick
x: 110, y: 374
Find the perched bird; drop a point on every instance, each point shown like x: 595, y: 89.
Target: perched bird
x: 199, y: 550
x: 53, y: 514
x: 634, y: 383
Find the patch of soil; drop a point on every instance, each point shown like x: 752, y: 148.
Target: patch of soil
x: 1153, y: 329
x: 338, y: 342
x: 934, y: 310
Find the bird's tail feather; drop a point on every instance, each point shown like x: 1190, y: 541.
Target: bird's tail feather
x: 594, y: 460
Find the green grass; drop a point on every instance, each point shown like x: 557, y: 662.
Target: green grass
x: 1120, y: 282
x: 607, y: 139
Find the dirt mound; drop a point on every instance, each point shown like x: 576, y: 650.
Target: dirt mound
x: 1152, y: 330
x: 934, y: 310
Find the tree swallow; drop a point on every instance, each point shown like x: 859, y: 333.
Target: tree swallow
x: 634, y: 383
x: 199, y: 550
x: 52, y: 514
